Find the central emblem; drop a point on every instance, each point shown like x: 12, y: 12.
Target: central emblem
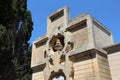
x: 58, y: 46
x: 57, y: 43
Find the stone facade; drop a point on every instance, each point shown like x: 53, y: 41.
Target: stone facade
x: 73, y: 49
x: 114, y: 60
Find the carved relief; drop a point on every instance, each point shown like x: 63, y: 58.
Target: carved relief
x: 62, y: 59
x: 69, y: 47
x: 56, y: 53
x: 45, y: 54
x: 51, y: 61
x: 57, y: 43
x: 58, y: 46
x: 57, y: 75
x: 72, y: 73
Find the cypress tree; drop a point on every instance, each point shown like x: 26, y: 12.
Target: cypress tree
x: 15, y: 31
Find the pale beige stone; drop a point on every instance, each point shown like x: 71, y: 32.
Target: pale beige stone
x: 75, y: 49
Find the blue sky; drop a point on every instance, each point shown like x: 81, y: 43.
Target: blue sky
x: 105, y: 11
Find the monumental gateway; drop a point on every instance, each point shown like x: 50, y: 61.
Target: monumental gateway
x: 75, y: 49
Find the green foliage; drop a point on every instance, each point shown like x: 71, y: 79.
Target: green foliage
x: 15, y: 32
x: 2, y: 33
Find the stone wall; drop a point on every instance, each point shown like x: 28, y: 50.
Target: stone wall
x: 102, y: 36
x: 114, y: 62
x: 91, y: 66
x: 38, y: 76
x: 80, y: 36
x: 103, y: 67
x: 73, y: 48
x: 84, y: 70
x: 58, y: 19
x: 37, y: 53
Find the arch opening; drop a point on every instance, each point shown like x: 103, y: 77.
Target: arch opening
x: 57, y: 75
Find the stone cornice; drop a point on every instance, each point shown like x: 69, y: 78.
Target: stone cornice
x: 41, y: 41
x: 90, y: 52
x: 39, y: 67
x: 112, y: 48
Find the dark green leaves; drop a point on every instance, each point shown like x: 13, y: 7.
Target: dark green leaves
x: 15, y: 32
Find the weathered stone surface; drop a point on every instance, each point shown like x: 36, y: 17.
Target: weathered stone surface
x: 114, y: 60
x: 72, y: 49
